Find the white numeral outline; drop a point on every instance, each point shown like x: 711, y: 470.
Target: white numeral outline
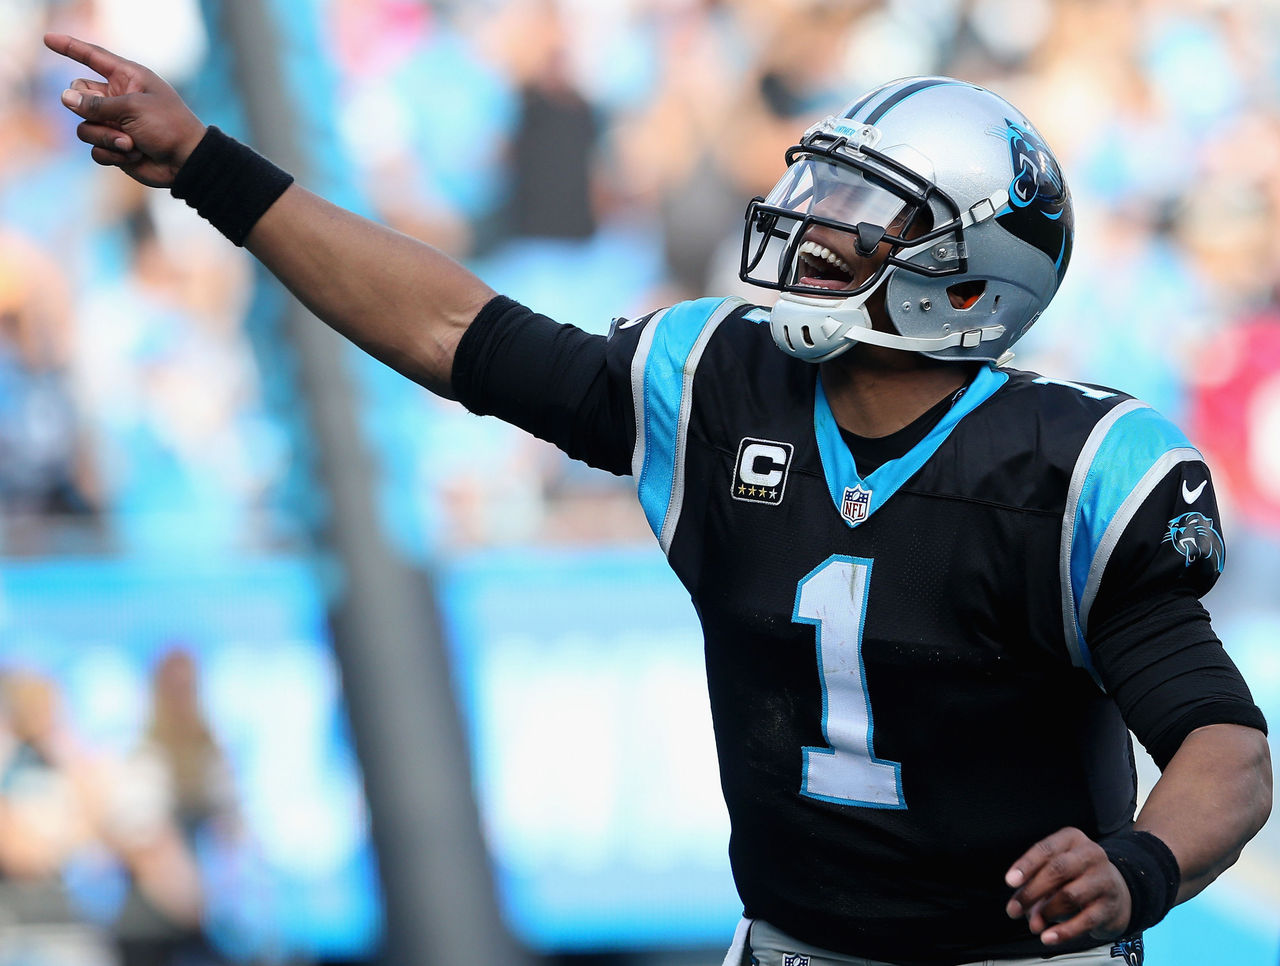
x: 1089, y: 391
x: 833, y: 598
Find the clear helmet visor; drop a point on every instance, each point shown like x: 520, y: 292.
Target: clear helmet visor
x: 818, y: 227
x: 835, y: 192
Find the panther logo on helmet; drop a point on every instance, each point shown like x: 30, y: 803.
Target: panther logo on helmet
x: 1039, y: 202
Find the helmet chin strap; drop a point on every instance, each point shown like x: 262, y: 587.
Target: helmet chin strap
x: 968, y: 338
x: 816, y: 328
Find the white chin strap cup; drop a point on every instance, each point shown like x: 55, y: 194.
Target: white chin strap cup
x: 813, y: 328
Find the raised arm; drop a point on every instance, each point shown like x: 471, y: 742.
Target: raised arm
x: 401, y: 300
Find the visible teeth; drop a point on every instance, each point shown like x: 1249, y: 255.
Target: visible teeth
x: 814, y: 250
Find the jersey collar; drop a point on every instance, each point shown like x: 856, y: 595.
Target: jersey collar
x: 855, y: 498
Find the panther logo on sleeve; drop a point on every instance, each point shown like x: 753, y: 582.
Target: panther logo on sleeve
x: 1193, y: 535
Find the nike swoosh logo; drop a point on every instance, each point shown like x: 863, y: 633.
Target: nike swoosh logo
x: 1192, y: 495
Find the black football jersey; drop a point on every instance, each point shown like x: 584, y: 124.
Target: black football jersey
x: 905, y: 684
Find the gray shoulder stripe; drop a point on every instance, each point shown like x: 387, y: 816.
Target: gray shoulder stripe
x: 638, y: 363
x: 674, y: 507
x: 1115, y: 530
x: 1084, y: 462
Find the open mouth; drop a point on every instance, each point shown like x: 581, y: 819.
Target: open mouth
x: 820, y: 267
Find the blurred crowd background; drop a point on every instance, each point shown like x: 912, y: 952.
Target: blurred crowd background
x: 176, y: 779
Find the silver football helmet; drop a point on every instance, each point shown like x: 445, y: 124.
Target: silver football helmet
x: 939, y: 193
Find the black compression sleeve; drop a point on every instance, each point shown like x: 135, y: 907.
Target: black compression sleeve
x: 550, y: 379
x: 1169, y: 674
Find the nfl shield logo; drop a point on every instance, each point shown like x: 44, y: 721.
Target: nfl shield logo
x: 795, y: 959
x: 856, y: 504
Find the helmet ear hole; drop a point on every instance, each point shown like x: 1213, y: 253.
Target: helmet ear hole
x: 965, y: 295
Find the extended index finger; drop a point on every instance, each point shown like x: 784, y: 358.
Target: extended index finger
x: 91, y: 55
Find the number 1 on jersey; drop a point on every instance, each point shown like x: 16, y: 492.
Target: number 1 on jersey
x: 833, y: 597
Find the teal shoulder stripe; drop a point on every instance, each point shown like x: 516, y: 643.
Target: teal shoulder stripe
x: 662, y: 384
x: 1129, y: 451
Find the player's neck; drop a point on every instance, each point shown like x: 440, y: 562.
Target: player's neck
x: 874, y: 392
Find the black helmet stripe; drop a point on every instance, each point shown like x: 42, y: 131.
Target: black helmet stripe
x: 861, y: 102
x: 893, y: 100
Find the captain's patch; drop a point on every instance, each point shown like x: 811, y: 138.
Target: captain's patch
x: 760, y: 471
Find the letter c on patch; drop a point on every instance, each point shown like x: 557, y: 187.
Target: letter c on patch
x: 773, y: 458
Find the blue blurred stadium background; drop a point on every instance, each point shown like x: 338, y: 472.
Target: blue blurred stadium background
x: 178, y: 779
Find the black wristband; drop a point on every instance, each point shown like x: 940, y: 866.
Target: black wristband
x: 228, y: 184
x: 1150, y: 871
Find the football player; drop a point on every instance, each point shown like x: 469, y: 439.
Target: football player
x: 937, y: 593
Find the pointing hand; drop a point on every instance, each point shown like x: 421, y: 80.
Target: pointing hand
x: 133, y: 119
